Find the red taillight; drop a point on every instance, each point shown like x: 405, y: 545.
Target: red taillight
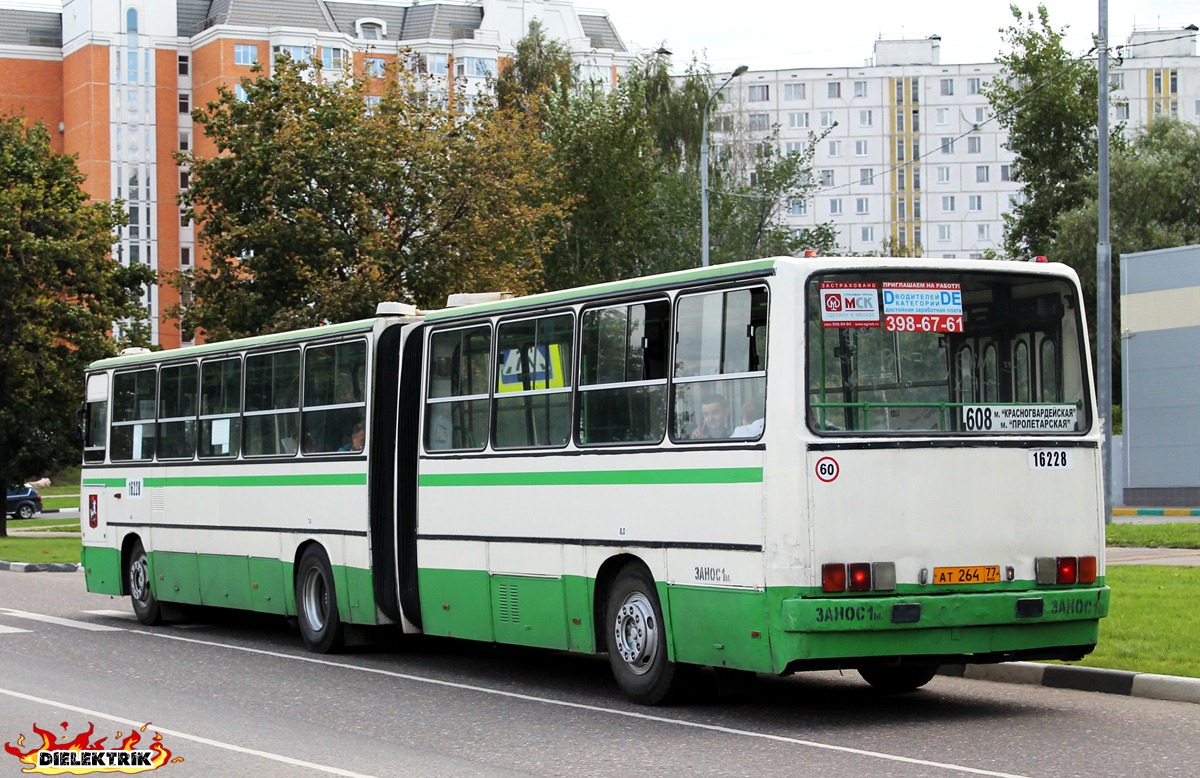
x: 1068, y: 569
x: 860, y: 577
x: 1040, y: 258
x: 1087, y: 569
x: 833, y: 578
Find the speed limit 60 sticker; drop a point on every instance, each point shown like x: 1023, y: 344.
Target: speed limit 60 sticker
x: 827, y: 469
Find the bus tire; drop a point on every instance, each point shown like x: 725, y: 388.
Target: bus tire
x: 146, y: 606
x: 316, y: 602
x: 637, y: 639
x: 898, y: 680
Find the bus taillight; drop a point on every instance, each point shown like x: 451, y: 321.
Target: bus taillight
x: 1068, y: 569
x: 1087, y: 569
x: 860, y: 577
x: 833, y: 578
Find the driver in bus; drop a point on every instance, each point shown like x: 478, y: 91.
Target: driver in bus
x: 715, y: 421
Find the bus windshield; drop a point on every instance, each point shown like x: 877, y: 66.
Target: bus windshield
x: 944, y: 352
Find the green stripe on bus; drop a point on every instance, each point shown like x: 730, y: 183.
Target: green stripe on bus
x: 117, y: 482
x: 318, y: 479
x: 715, y: 475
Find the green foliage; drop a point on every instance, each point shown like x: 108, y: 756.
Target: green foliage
x: 315, y: 209
x: 1169, y: 535
x: 1046, y: 99
x: 540, y: 66
x: 62, y: 292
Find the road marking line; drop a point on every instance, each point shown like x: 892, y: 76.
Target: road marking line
x: 595, y: 708
x: 60, y: 622
x: 10, y: 630
x: 185, y: 736
x: 115, y: 614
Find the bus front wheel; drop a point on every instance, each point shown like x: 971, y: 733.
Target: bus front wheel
x: 316, y: 602
x: 898, y: 680
x: 637, y: 640
x: 137, y: 576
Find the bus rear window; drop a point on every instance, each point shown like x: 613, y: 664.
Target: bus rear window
x: 945, y: 353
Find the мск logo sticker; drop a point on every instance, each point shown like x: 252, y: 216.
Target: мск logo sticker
x: 82, y: 756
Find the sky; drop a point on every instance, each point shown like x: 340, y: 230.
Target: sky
x: 768, y: 34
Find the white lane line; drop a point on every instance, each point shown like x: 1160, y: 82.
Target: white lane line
x: 10, y: 630
x: 60, y: 622
x: 596, y: 708
x: 115, y: 614
x: 185, y: 736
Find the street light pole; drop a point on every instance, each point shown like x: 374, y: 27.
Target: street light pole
x: 739, y: 70
x: 1104, y: 271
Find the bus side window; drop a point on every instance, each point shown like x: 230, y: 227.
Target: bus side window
x: 533, y: 382
x: 272, y: 418
x: 719, y: 334
x: 334, y: 397
x: 132, y: 437
x: 459, y: 370
x: 177, y: 412
x: 220, y: 407
x: 623, y: 376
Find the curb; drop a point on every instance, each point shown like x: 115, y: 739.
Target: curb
x: 1156, y: 511
x: 40, y: 567
x: 1084, y: 679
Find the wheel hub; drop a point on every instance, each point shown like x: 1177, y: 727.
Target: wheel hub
x: 636, y: 633
x: 137, y: 580
x: 315, y: 600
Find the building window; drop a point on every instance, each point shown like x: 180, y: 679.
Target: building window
x: 947, y: 145
x: 947, y: 86
x: 900, y: 121
x: 862, y: 205
x: 900, y: 148
x: 866, y: 176
x: 332, y: 58
x: 371, y: 30
x: 373, y: 67
x: 798, y: 119
x: 835, y: 89
x: 1116, y: 80
x: 796, y: 147
x: 1122, y: 111
x: 942, y: 116
x: 901, y: 208
x: 866, y: 118
x: 827, y: 119
x: 835, y: 206
x: 795, y: 92
x: 245, y: 54
x: 184, y: 220
x: 185, y: 141
x: 826, y: 177
x: 943, y: 233
x: 835, y: 148
x: 758, y: 122
x: 916, y: 206
x: 902, y: 179
x: 239, y: 92
x: 860, y: 88
x: 297, y: 53
x: 860, y: 148
x: 867, y: 234
x: 185, y: 256
x: 914, y: 90
x: 797, y: 207
x: 982, y: 174
x: 974, y: 145
x: 185, y: 65
x: 975, y: 203
x: 973, y: 85
x: 185, y: 102
x: 475, y: 66
x: 185, y: 179
x: 131, y: 20
x: 948, y: 203
x: 759, y: 93
x: 1006, y: 172
x: 916, y: 120
x: 983, y: 231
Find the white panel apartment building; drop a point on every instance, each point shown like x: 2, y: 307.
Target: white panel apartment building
x: 914, y: 158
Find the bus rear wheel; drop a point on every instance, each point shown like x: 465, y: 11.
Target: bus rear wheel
x: 637, y: 640
x: 137, y: 577
x: 316, y: 602
x: 898, y: 680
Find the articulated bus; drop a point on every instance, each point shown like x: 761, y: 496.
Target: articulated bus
x: 769, y: 466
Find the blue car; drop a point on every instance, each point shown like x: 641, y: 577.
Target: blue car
x: 24, y: 502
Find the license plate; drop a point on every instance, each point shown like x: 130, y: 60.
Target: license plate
x: 977, y: 574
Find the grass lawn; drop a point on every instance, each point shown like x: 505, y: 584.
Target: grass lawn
x: 1151, y: 625
x: 66, y: 482
x: 46, y: 522
x: 72, y: 501
x: 1174, y: 535
x: 39, y: 549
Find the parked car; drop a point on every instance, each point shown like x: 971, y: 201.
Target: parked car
x: 24, y: 502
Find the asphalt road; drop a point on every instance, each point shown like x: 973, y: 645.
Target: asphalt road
x: 238, y: 695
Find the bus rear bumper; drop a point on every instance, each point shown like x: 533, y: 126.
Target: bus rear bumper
x: 959, y: 610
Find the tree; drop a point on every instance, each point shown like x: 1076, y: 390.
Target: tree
x: 316, y: 207
x: 1154, y: 200
x: 1046, y: 99
x: 62, y: 292
x: 540, y: 66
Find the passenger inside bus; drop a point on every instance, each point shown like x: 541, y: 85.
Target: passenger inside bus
x: 715, y: 422
x: 753, y: 419
x: 355, y: 441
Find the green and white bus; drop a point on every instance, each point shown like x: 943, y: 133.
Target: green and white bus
x: 768, y: 466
